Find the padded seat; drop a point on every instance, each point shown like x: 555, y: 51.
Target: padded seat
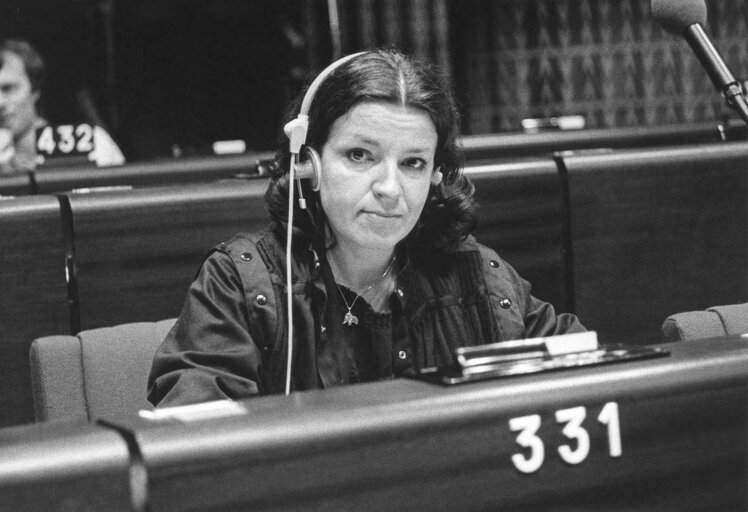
x: 98, y: 373
x: 715, y: 321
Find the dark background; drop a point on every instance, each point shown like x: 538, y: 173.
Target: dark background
x: 171, y: 76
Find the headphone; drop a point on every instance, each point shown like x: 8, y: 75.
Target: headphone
x: 309, y: 167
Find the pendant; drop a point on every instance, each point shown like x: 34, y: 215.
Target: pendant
x: 350, y: 319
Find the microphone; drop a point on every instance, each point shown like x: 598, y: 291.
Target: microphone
x: 686, y: 18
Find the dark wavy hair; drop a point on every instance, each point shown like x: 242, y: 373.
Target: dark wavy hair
x: 384, y: 76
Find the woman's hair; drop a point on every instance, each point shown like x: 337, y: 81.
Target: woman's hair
x: 391, y: 77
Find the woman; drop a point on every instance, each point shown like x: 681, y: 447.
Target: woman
x: 386, y: 278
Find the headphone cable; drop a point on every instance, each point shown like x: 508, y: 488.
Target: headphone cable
x: 289, y: 295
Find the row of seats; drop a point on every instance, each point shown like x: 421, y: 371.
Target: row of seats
x: 622, y: 238
x: 476, y: 147
x: 79, y: 261
x: 100, y: 373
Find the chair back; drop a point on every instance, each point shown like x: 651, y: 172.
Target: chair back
x: 715, y: 321
x: 99, y: 372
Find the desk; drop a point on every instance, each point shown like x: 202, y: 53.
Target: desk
x: 655, y: 232
x: 661, y: 434
x: 157, y: 172
x: 512, y: 145
x: 64, y: 467
x: 137, y: 251
x: 15, y: 184
x: 33, y: 294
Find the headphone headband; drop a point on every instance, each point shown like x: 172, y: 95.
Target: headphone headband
x: 296, y: 129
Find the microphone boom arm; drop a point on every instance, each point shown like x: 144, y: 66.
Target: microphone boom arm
x: 716, y: 68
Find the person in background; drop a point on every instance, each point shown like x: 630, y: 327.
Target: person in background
x: 387, y: 278
x: 22, y: 75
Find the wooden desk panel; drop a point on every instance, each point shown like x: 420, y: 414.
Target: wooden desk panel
x: 660, y: 434
x: 156, y: 173
x: 65, y: 466
x: 137, y: 251
x: 33, y: 300
x: 520, y: 217
x: 15, y: 184
x: 513, y: 145
x: 656, y: 232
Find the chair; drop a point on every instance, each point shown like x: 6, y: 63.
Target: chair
x: 715, y: 321
x: 98, y: 373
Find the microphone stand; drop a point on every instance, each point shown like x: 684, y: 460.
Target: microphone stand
x: 733, y: 94
x: 716, y: 68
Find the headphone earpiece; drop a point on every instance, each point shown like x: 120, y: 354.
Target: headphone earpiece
x: 309, y: 167
x: 296, y: 129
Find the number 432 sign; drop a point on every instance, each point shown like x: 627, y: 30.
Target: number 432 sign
x: 65, y: 140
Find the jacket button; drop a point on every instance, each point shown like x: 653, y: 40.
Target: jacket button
x: 402, y: 354
x: 246, y: 256
x: 399, y: 293
x: 494, y: 264
x: 262, y: 300
x: 323, y: 328
x: 505, y: 303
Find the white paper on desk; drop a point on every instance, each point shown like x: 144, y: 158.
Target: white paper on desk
x: 196, y: 412
x: 571, y: 343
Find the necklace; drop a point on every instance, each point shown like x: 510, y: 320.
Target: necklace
x: 350, y: 318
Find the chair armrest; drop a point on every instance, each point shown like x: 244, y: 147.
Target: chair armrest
x: 57, y: 378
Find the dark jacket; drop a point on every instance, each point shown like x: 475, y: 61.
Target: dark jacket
x: 230, y: 340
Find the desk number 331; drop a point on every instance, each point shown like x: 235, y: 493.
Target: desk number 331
x: 574, y: 453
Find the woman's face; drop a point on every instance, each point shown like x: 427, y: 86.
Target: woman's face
x: 377, y: 166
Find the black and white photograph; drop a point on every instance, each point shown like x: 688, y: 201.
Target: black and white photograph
x: 373, y: 255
